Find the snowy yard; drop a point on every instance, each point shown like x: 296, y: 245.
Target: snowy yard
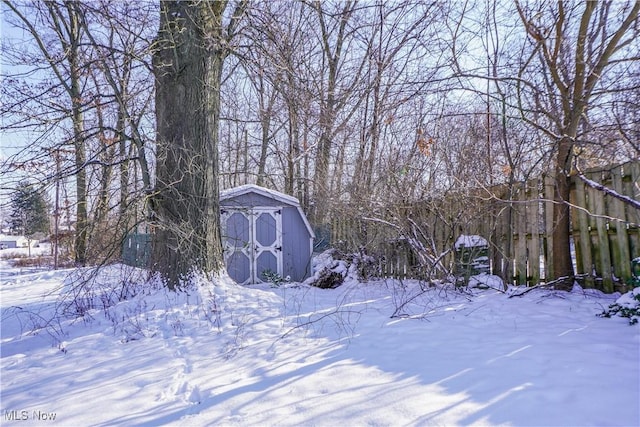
x: 295, y: 355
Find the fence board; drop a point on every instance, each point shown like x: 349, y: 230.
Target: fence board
x: 601, y: 246
x: 620, y: 245
x: 632, y: 189
x: 581, y: 233
x: 500, y: 247
x: 520, y: 233
x: 533, y: 232
x: 549, y: 191
x: 506, y: 249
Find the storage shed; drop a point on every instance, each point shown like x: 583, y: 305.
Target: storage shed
x: 264, y: 231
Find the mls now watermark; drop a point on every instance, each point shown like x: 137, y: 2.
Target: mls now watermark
x: 24, y: 415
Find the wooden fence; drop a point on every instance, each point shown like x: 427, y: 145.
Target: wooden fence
x: 606, y: 233
x: 517, y: 222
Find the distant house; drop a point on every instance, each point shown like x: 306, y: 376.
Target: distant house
x: 10, y: 242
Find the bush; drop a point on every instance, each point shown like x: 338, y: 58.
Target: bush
x: 628, y: 305
x: 35, y: 261
x: 328, y: 279
x: 274, y: 278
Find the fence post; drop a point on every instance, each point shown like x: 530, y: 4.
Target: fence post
x: 620, y: 253
x: 519, y: 235
x: 533, y: 231
x: 582, y: 238
x: 549, y: 188
x: 633, y: 215
x: 602, y: 249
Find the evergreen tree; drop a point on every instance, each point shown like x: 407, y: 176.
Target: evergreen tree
x: 29, y: 213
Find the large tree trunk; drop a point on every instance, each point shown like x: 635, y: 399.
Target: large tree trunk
x: 77, y: 117
x: 188, y: 67
x: 562, y: 264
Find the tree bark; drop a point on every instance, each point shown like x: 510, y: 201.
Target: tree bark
x: 188, y: 68
x: 77, y: 117
x: 562, y: 264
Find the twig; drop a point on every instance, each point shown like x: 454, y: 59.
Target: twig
x: 544, y: 285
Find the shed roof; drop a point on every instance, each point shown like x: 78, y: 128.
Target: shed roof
x: 272, y: 194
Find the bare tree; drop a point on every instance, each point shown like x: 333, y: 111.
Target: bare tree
x: 333, y: 37
x: 122, y: 52
x: 280, y: 60
x: 83, y: 98
x: 64, y: 56
x: 573, y: 46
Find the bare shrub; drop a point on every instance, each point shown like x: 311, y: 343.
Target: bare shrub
x: 98, y: 288
x: 328, y: 279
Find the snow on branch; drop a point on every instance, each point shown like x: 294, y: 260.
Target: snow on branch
x: 609, y: 191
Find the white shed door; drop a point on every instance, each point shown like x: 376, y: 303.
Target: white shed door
x: 252, y: 243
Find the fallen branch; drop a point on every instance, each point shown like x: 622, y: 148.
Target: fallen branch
x: 547, y: 285
x: 538, y: 286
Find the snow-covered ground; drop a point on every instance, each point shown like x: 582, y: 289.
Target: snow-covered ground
x: 221, y: 354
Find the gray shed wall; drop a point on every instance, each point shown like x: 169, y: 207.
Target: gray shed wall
x: 296, y: 246
x: 296, y: 240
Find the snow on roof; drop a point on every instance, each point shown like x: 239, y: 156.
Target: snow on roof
x: 470, y: 241
x: 252, y: 188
